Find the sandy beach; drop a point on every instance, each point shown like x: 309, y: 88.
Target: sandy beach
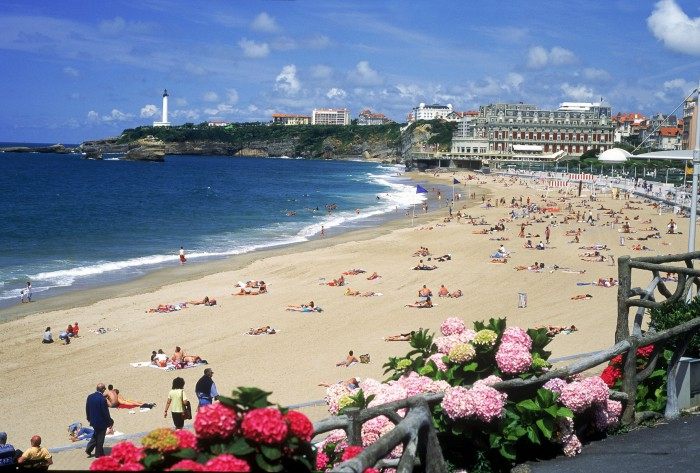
x: 44, y: 386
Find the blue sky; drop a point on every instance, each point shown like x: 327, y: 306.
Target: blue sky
x: 79, y: 70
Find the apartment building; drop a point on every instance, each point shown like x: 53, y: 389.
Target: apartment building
x: 330, y: 116
x: 290, y: 119
x: 367, y: 117
x: 429, y: 112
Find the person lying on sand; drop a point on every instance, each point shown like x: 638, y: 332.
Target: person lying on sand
x: 403, y: 337
x: 337, y: 282
x: 456, y: 294
x: 262, y: 330
x: 596, y: 259
x: 353, y: 272
x: 422, y: 266
x: 553, y: 330
x: 499, y: 260
x: 422, y: 252
x: 373, y: 276
x: 350, y: 292
x: 370, y: 294
x: 351, y: 383
x: 424, y: 304
x: 581, y: 297
x: 205, y: 301
x: 444, y: 258
x: 310, y: 307
x: 246, y: 291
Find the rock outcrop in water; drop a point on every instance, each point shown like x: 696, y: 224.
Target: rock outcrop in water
x: 146, y: 149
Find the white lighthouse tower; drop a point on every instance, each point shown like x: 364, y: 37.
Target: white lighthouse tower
x: 165, y: 121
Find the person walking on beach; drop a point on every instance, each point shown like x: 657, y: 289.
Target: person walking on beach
x: 177, y: 398
x: 182, y: 256
x: 26, y: 293
x: 323, y: 231
x: 205, y: 389
x: 97, y: 414
x: 546, y: 234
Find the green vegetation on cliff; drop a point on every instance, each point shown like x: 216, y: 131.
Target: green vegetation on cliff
x: 305, y: 137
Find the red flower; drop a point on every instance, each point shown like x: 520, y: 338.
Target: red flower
x: 371, y: 470
x: 127, y: 452
x: 264, y: 426
x: 226, y: 462
x: 350, y: 452
x: 187, y: 465
x: 186, y: 439
x: 645, y: 351
x: 105, y: 464
x: 321, y: 461
x: 610, y: 375
x: 299, y: 425
x: 616, y: 361
x: 131, y: 466
x: 215, y: 421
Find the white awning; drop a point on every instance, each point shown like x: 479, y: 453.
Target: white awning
x: 679, y: 155
x: 528, y: 148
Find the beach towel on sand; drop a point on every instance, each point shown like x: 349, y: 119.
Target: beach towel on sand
x: 169, y: 367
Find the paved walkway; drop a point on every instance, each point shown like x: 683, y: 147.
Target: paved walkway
x: 669, y: 446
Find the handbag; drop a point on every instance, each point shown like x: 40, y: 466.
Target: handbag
x: 187, y: 412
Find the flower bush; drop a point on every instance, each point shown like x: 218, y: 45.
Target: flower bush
x: 500, y: 428
x: 242, y: 433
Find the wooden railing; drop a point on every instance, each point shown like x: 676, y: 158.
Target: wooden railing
x: 415, y: 431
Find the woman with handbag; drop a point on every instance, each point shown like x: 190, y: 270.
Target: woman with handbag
x: 180, y: 404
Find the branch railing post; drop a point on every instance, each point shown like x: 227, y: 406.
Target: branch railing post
x: 624, y: 277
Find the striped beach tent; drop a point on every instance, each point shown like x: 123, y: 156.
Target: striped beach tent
x: 582, y: 177
x: 557, y: 184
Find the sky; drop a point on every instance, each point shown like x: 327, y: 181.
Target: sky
x: 80, y: 70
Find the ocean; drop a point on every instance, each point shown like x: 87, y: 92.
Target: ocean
x: 71, y: 223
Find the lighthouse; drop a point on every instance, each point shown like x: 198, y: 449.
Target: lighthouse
x: 165, y: 121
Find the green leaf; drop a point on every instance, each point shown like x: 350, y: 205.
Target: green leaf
x: 188, y: 453
x: 470, y: 367
x: 565, y: 412
x: 271, y: 453
x: 238, y: 447
x: 546, y: 426
x: 265, y: 466
x: 152, y: 459
x: 532, y: 435
x: 528, y: 404
x: 507, y: 451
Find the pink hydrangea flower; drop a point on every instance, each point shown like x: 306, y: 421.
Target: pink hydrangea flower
x: 299, y: 425
x: 226, y: 462
x: 127, y: 452
x: 452, y: 326
x: 572, y: 447
x: 555, y: 385
x: 321, y: 461
x: 488, y: 381
x: 513, y: 358
x: 518, y: 336
x: 580, y: 395
x: 187, y: 465
x: 264, y: 425
x: 457, y: 403
x: 374, y: 428
x: 414, y: 383
x: 186, y: 439
x: 483, y: 403
x: 215, y: 421
x: 132, y: 466
x: 106, y: 463
x: 333, y: 393
x: 437, y: 359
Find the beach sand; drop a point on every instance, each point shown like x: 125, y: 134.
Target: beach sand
x: 44, y: 387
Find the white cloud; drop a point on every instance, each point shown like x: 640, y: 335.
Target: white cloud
x: 264, y: 22
x: 514, y: 80
x: 149, y: 111
x: 680, y: 84
x: 578, y: 93
x: 538, y: 57
x: 117, y: 116
x: 252, y: 49
x: 113, y: 27
x: 210, y: 96
x: 336, y: 93
x: 409, y: 91
x: 181, y: 101
x: 93, y: 117
x: 670, y: 25
x: 561, y: 57
x: 221, y: 109
x: 232, y: 96
x: 287, y: 81
x: 184, y: 116
x: 321, y: 71
x: 69, y: 71
x: 364, y: 74
x: 593, y: 74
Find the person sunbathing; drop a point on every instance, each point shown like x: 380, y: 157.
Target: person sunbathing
x: 499, y: 260
x: 258, y: 331
x: 204, y: 301
x: 310, y: 307
x: 553, y: 330
x: 403, y: 337
x: 641, y: 248
x: 424, y: 304
x: 373, y: 276
x: 349, y: 360
x: 351, y: 383
x: 424, y: 291
x: 444, y: 258
x: 354, y: 272
x: 76, y: 432
x: 443, y: 291
x: 422, y: 266
x: 456, y: 294
x: 337, y: 282
x: 422, y: 252
x: 246, y: 291
x: 581, y: 297
x: 596, y: 259
x: 350, y: 292
x: 370, y: 294
x: 126, y: 403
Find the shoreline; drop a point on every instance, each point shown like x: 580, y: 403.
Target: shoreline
x: 159, y: 278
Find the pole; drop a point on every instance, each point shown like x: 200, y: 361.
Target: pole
x: 696, y: 170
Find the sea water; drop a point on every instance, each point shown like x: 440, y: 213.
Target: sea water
x: 71, y: 223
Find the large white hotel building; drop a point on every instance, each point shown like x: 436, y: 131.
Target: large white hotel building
x: 505, y: 131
